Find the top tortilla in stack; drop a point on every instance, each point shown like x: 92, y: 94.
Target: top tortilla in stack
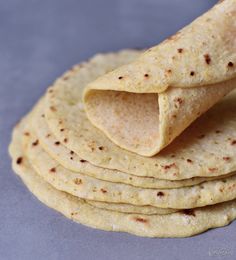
x: 145, y: 105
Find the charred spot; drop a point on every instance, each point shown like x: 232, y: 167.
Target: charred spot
x: 65, y: 140
x: 207, y: 58
x: 66, y: 77
x: 19, y: 160
x: 189, y: 212
x: 83, y: 161
x: 142, y: 220
x: 120, y: 77
x: 179, y: 100
x: 168, y: 166
x: 230, y: 64
x: 103, y: 190
x: 180, y: 50
x: 192, y: 73
x: 169, y: 71
x: 72, y: 152
x: 233, y: 142
x: 160, y: 194
x: 77, y: 181
x: 146, y: 75
x: 226, y: 158
x: 71, y: 158
x: 212, y: 169
x: 101, y: 148
x: 174, y: 116
x: 36, y: 142
x: 57, y: 143
x: 52, y: 108
x: 189, y: 161
x: 62, y: 129
x: 53, y: 169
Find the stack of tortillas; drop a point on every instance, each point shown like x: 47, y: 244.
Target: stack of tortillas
x: 148, y: 148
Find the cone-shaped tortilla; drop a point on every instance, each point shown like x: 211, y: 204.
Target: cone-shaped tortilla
x: 144, y: 105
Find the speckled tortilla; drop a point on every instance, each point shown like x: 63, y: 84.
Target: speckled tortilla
x: 72, y: 161
x: 182, y: 224
x: 60, y: 179
x: 207, y: 148
x: 145, y: 105
x: 86, y: 187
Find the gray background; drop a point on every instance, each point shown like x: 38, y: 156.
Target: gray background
x: 39, y: 39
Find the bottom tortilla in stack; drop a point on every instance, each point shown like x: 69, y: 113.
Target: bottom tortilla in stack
x: 179, y: 224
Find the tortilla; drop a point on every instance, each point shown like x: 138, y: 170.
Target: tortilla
x: 89, y: 188
x: 26, y: 135
x: 206, y: 149
x: 70, y: 160
x: 183, y: 224
x: 145, y: 105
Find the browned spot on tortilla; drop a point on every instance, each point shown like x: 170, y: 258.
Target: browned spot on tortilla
x: 189, y: 212
x: 120, y: 77
x: 207, y: 59
x: 169, y: 71
x: 218, y: 131
x: 192, y: 73
x: 233, y: 142
x: 168, y: 166
x: 52, y: 108
x: 26, y: 133
x: 36, y: 142
x: 142, y: 220
x: 160, y: 194
x: 101, y: 148
x: 77, y: 181
x: 42, y: 115
x: 103, y: 190
x: 53, y: 169
x: 57, y: 143
x: 19, y: 160
x: 221, y: 189
x: 62, y: 129
x: 230, y: 64
x: 174, y: 37
x: 226, y: 158
x: 189, y: 161
x: 83, y: 161
x: 50, y: 90
x: 65, y: 140
x: 146, y: 75
x: 65, y: 77
x: 212, y: 169
x: 179, y: 100
x: 72, y: 152
x: 48, y: 135
x: 180, y: 50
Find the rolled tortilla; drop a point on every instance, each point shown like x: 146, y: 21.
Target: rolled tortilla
x: 144, y: 105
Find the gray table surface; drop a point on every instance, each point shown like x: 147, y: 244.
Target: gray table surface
x: 39, y: 40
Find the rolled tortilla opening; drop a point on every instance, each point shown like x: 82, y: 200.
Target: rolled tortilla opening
x: 144, y: 105
x: 145, y: 123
